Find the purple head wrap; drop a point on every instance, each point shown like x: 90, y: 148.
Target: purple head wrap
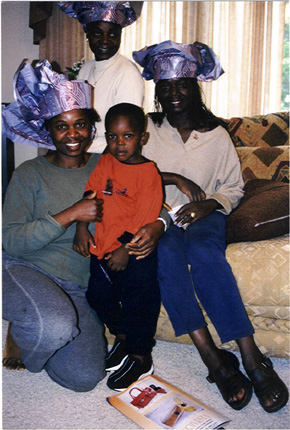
x: 123, y: 13
x: 169, y: 60
x: 40, y: 94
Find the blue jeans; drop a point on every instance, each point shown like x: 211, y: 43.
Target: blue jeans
x: 53, y: 325
x: 210, y: 279
x: 128, y: 302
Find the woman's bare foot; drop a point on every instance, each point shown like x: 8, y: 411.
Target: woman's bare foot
x: 11, y: 356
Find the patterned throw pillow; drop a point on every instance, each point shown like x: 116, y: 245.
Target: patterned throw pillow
x: 265, y: 163
x: 260, y: 130
x: 263, y: 212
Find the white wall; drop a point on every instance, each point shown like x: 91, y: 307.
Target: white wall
x: 16, y: 44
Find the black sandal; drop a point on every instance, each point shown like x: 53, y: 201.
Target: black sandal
x: 229, y: 380
x: 265, y: 382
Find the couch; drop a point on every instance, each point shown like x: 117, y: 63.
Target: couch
x: 258, y: 255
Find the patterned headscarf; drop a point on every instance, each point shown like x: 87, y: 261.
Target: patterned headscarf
x: 169, y: 60
x: 123, y: 13
x: 40, y: 94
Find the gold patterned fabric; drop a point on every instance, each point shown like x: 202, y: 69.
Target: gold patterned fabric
x: 260, y: 130
x: 265, y: 163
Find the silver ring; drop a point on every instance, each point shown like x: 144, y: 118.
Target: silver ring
x: 192, y: 214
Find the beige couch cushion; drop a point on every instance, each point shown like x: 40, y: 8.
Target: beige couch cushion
x: 262, y: 273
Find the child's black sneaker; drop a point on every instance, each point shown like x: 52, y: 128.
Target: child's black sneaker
x: 131, y: 370
x: 116, y: 356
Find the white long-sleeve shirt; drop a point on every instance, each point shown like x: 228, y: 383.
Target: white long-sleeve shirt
x: 209, y: 159
x: 116, y: 80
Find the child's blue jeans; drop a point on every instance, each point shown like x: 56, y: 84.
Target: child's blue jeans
x: 128, y: 302
x: 210, y: 279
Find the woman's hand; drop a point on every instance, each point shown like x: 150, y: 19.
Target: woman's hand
x: 146, y: 239
x: 83, y: 240
x: 88, y: 209
x: 192, y: 212
x: 118, y: 259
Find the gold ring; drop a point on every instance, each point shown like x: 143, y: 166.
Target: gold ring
x: 192, y: 214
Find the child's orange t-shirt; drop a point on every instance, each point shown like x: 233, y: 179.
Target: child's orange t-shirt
x: 132, y: 196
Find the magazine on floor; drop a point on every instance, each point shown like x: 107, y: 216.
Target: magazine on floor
x: 155, y: 403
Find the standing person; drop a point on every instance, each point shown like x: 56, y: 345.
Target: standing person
x: 188, y: 140
x: 115, y: 78
x: 123, y: 289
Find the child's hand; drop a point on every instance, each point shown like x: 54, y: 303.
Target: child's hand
x: 83, y: 240
x: 185, y: 185
x: 190, y: 189
x: 118, y: 259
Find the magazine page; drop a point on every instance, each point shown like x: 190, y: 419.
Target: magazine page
x: 154, y: 403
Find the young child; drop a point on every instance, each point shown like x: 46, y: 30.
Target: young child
x: 122, y: 289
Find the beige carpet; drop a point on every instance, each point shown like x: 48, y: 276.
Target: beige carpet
x: 33, y: 401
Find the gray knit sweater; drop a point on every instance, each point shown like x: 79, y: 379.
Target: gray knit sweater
x: 38, y: 190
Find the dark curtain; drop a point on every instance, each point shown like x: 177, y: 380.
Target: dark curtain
x: 39, y: 12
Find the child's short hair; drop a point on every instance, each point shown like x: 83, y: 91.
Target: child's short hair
x: 129, y: 110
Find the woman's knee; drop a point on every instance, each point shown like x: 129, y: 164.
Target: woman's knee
x: 60, y: 327
x: 47, y: 332
x: 28, y: 292
x: 86, y: 382
x: 204, y: 246
x: 81, y: 378
x: 41, y: 313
